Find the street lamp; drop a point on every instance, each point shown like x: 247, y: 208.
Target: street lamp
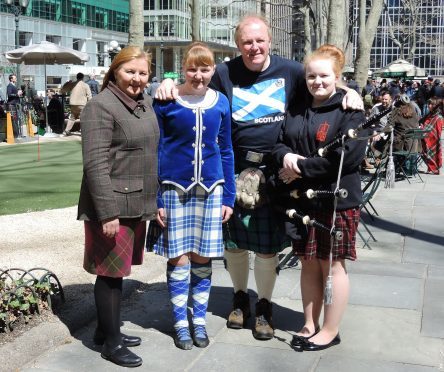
x: 17, y: 8
x: 161, y: 61
x: 113, y: 49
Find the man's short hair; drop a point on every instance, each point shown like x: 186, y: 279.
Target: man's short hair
x: 11, y: 76
x: 80, y: 76
x: 244, y: 20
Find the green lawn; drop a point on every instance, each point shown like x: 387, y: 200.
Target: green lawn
x: 28, y: 185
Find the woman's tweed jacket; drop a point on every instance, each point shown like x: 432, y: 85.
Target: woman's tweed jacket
x: 119, y: 146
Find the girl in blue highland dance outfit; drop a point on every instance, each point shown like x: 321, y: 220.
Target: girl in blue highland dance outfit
x: 197, y: 190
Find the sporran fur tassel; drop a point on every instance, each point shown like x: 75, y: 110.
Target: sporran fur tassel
x: 390, y: 169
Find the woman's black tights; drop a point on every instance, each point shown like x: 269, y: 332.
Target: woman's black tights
x: 108, y: 296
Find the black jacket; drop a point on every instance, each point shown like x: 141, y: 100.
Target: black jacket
x: 12, y: 94
x: 307, y: 129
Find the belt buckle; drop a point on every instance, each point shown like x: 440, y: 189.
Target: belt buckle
x: 254, y: 157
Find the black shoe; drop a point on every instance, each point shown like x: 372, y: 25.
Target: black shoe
x: 182, y: 339
x: 200, y: 337
x: 128, y: 341
x: 311, y: 346
x: 121, y: 356
x: 298, y: 340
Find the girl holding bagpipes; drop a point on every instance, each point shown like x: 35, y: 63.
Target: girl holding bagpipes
x: 431, y: 145
x: 309, y: 126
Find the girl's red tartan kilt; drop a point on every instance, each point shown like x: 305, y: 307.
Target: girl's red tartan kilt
x: 317, y: 243
x: 113, y: 257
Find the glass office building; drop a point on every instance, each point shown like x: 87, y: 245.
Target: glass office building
x: 168, y: 28
x: 420, y: 27
x: 84, y: 25
x: 90, y: 26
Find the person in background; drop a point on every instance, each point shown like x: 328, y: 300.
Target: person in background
x: 197, y: 190
x: 378, y: 142
x: 352, y: 84
x: 394, y: 89
x: 152, y: 88
x: 423, y: 94
x: 437, y: 89
x: 56, y: 118
x: 118, y: 192
x: 259, y: 87
x: 12, y: 93
x: 13, y: 102
x: 431, y: 144
x: 403, y: 118
x: 93, y: 85
x: 307, y: 128
x: 79, y: 95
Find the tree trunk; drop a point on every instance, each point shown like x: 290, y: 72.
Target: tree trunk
x: 305, y: 10
x: 135, y: 35
x: 336, y: 23
x: 195, y: 19
x: 366, y: 36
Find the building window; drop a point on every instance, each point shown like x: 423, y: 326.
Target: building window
x: 100, y: 19
x: 148, y: 28
x: 164, y: 4
x: 25, y: 38
x: 149, y: 4
x: 54, y: 39
x: 122, y: 22
x: 78, y: 44
x: 167, y: 28
x: 101, y: 53
x: 78, y: 15
x: 219, y: 12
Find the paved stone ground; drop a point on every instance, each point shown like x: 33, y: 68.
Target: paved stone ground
x: 395, y: 320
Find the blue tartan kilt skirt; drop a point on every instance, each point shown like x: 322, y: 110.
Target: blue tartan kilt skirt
x: 193, y: 223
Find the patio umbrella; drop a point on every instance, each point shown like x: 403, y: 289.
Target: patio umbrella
x: 46, y: 53
x: 400, y: 68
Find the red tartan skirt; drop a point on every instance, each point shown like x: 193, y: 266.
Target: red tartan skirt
x: 113, y: 257
x: 317, y: 242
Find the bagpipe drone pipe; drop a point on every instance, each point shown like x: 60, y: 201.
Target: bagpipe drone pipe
x: 359, y: 133
x: 291, y: 201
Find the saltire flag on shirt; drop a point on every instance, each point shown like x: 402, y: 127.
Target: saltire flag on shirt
x: 258, y: 100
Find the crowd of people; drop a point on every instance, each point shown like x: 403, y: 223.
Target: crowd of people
x: 421, y: 103
x: 179, y: 158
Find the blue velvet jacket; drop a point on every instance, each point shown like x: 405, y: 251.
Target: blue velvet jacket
x: 195, y: 145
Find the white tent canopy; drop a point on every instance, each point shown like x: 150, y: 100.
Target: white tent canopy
x: 46, y: 53
x: 400, y: 68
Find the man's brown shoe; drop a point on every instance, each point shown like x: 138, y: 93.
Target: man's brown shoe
x: 241, y: 310
x: 263, y: 327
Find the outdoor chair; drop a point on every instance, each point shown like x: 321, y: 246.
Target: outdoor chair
x: 369, y: 189
x: 407, y: 161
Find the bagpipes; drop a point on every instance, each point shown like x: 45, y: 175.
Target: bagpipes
x: 338, y: 141
x: 354, y: 133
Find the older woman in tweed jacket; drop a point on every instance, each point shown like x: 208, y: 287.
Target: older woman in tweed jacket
x: 118, y: 194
